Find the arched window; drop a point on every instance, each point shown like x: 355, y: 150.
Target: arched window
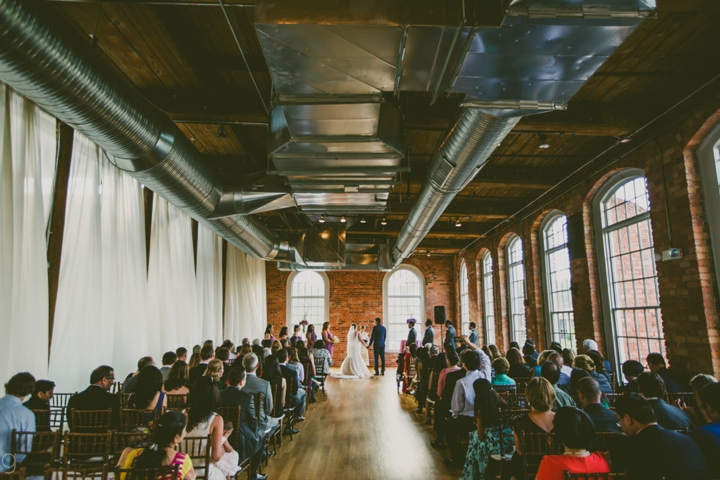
x: 630, y: 286
x: 308, y: 299
x: 464, y: 298
x: 558, y: 301
x: 708, y: 155
x: 516, y: 289
x: 488, y: 298
x: 404, y: 297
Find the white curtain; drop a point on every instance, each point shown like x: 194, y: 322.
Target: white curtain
x: 27, y: 159
x: 173, y: 319
x: 99, y: 316
x: 245, y: 297
x: 209, y: 285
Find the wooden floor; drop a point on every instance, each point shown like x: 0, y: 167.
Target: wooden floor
x: 361, y: 429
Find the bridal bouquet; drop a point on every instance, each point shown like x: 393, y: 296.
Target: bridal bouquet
x: 336, y: 340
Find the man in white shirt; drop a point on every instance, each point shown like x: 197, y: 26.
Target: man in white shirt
x: 13, y: 416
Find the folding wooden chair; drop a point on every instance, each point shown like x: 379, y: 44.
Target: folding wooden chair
x: 170, y: 472
x: 534, y: 447
x: 594, y: 476
x: 132, y: 419
x: 289, y: 411
x: 515, y: 400
x: 259, y: 400
x: 505, y: 388
x: 521, y: 383
x: 58, y: 409
x: 99, y: 472
x: 42, y: 420
x: 176, y: 402
x: 320, y: 374
x: 124, y: 397
x: 91, y: 421
x: 610, y: 399
x: 123, y: 440
x: 198, y: 449
x: 232, y: 415
x: 688, y: 398
x: 39, y: 449
x: 86, y: 449
x: 117, y: 388
x: 16, y: 475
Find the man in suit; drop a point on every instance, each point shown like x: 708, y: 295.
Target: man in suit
x: 251, y: 439
x: 708, y: 436
x: 631, y: 370
x: 588, y: 392
x: 377, y: 338
x: 473, y: 337
x: 168, y: 359
x: 40, y: 400
x: 652, y: 452
x: 254, y: 384
x: 131, y: 380
x: 295, y: 396
x: 412, y: 334
x: 429, y: 336
x: 673, y: 383
x: 651, y: 386
x: 450, y: 337
x: 206, y: 354
x: 97, y: 397
x: 550, y: 371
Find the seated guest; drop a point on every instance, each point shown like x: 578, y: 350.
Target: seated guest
x: 631, y: 370
x: 577, y: 375
x: 148, y: 391
x: 273, y: 375
x: 97, y: 397
x: 697, y: 383
x: 588, y: 393
x: 206, y: 354
x: 13, y: 416
x: 529, y: 352
x: 166, y: 436
x: 321, y: 356
x: 551, y: 373
x: 294, y: 361
x: 708, y: 436
x: 565, y: 372
x: 40, y: 400
x: 215, y: 370
x: 251, y: 438
x: 591, y: 345
x: 446, y: 387
x: 195, y: 357
x: 168, y: 359
x: 518, y: 368
x: 586, y: 363
x: 203, y: 421
x: 181, y: 354
x: 651, y: 386
x: 131, y: 380
x: 496, y: 353
x: 599, y: 362
x: 652, y: 452
x: 254, y: 384
x: 223, y: 354
x: 489, y: 434
x: 542, y: 358
x: 230, y: 347
x: 574, y: 429
x: 541, y: 397
x: 295, y: 396
x: 276, y: 346
x: 177, y: 381
x: 568, y: 360
x: 673, y: 382
x: 501, y: 367
x: 556, y: 347
x: 441, y: 363
x: 453, y: 360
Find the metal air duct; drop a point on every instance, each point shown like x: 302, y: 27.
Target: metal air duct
x: 63, y: 76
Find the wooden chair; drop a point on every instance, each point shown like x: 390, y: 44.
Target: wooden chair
x: 515, y: 400
x: 307, y: 382
x: 124, y: 397
x: 170, y: 472
x: 535, y: 446
x: 91, y: 421
x: 604, y: 441
x: 320, y: 374
x: 198, y: 449
x: 132, y: 419
x: 39, y: 448
x: 123, y: 440
x: 42, y: 420
x: 505, y: 388
x: 176, y: 402
x: 16, y: 475
x: 688, y: 398
x: 610, y: 399
x: 99, y: 472
x: 521, y: 383
x: 593, y: 476
x: 232, y: 415
x: 289, y: 411
x: 58, y: 409
x: 86, y: 448
x: 278, y: 413
x: 117, y: 388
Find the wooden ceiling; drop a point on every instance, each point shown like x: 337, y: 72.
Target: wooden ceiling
x: 184, y: 59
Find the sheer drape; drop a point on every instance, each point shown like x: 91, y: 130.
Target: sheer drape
x: 245, y: 297
x: 24, y: 153
x: 173, y: 319
x: 209, y: 285
x: 99, y: 317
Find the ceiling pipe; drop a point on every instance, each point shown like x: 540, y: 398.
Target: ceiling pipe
x: 67, y: 79
x: 461, y: 156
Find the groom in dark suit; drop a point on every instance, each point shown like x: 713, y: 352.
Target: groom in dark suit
x: 378, y: 338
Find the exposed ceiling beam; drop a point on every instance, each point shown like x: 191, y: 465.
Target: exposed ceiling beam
x: 463, y: 207
x: 191, y: 3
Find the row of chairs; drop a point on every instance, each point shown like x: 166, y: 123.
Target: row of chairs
x: 92, y: 421
x: 102, y: 472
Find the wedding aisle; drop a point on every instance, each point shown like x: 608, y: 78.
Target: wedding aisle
x: 360, y: 429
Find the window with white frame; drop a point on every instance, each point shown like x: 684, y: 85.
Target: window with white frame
x: 488, y: 298
x: 630, y: 285
x: 516, y: 289
x: 464, y: 298
x: 558, y: 294
x: 404, y: 298
x: 308, y: 299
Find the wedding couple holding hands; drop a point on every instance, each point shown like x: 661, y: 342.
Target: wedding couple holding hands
x: 356, y: 363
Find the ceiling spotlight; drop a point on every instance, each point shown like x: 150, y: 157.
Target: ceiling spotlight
x: 625, y: 139
x: 428, y: 253
x: 322, y: 219
x: 221, y: 132
x: 457, y: 223
x: 543, y: 141
x: 343, y: 219
x: 383, y: 221
x: 362, y: 220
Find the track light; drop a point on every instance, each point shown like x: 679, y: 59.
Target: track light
x: 362, y: 220
x: 322, y: 219
x: 343, y: 219
x: 457, y: 223
x: 543, y: 141
x: 383, y: 221
x: 221, y: 132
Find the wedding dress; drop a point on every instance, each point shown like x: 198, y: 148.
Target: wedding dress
x: 354, y: 365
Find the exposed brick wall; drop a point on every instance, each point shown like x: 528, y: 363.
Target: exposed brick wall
x: 357, y: 297
x: 688, y: 294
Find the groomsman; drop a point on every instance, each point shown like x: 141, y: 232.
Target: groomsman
x: 429, y: 336
x: 450, y: 337
x: 412, y: 334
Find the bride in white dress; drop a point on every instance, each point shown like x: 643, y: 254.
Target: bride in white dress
x: 354, y: 365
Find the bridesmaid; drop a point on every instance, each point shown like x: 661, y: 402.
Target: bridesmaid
x: 268, y: 333
x: 327, y: 338
x: 311, y: 337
